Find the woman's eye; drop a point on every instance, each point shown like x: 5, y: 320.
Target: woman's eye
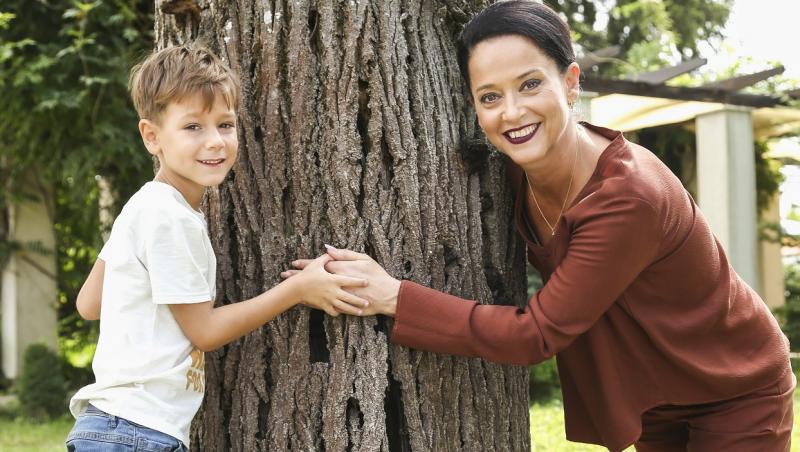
x: 531, y: 84
x: 489, y: 98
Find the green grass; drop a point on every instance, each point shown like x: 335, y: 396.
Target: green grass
x: 547, y: 432
x: 19, y: 435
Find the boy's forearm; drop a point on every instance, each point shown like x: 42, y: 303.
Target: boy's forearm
x: 215, y: 327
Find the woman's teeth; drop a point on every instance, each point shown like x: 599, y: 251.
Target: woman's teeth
x: 522, y: 132
x: 212, y: 162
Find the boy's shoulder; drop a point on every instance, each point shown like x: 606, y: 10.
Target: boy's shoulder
x: 158, y: 203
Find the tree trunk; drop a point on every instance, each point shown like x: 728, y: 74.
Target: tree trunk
x: 354, y: 131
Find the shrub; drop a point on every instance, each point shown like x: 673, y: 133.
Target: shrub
x: 5, y: 383
x: 544, y: 383
x: 41, y: 386
x: 789, y: 314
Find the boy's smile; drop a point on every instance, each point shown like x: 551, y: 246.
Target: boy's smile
x: 196, y: 144
x: 212, y: 163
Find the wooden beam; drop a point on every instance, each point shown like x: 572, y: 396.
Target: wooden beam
x: 743, y: 81
x: 701, y: 94
x: 667, y: 73
x: 597, y: 57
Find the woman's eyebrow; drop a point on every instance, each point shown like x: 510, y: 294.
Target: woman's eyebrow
x: 521, y: 76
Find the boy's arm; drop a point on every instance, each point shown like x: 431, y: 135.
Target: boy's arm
x: 91, y: 293
x: 209, y: 328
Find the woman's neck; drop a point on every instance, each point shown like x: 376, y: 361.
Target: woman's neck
x: 550, y: 176
x: 573, y: 157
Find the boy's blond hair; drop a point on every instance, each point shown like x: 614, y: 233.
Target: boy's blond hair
x: 171, y: 74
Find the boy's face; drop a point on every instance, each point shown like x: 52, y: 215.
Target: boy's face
x: 195, y: 146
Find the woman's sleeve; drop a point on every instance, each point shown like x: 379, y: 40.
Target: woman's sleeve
x: 610, y: 245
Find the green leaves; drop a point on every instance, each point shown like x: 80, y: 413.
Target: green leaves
x: 66, y: 118
x: 651, y: 33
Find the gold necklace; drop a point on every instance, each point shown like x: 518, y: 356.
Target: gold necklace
x: 569, y: 188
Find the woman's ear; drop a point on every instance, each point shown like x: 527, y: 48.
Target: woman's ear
x: 149, y: 132
x: 572, y: 80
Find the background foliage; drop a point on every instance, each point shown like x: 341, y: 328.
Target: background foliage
x: 41, y: 386
x: 65, y: 121
x: 650, y: 33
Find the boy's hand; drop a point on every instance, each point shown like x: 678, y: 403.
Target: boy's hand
x: 322, y: 290
x: 382, y: 290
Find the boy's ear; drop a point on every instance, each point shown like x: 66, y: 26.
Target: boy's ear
x: 149, y: 132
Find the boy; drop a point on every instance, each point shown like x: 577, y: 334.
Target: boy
x: 156, y: 273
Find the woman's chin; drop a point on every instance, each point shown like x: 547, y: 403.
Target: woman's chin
x: 523, y: 157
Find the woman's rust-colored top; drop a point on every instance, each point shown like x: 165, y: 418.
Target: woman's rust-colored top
x: 640, y: 305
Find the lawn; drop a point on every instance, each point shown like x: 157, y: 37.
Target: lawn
x: 26, y: 436
x: 547, y: 430
x: 547, y: 433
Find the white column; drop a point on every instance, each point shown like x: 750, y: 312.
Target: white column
x: 771, y: 265
x: 583, y: 108
x: 726, y: 185
x: 29, y: 294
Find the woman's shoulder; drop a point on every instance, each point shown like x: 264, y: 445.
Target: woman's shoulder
x: 628, y: 170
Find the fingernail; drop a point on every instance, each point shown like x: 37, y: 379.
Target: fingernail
x: 330, y: 247
x: 360, y: 312
x: 294, y: 262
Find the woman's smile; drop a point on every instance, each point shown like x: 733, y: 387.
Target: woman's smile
x: 521, y: 134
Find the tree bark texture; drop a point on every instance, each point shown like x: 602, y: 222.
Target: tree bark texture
x: 354, y: 131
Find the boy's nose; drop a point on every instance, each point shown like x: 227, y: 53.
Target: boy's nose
x: 215, y: 140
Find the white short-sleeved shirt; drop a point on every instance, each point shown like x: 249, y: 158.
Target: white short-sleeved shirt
x: 146, y: 370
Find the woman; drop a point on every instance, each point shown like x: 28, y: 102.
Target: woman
x: 658, y: 340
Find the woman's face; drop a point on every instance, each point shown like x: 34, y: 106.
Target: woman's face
x: 521, y: 97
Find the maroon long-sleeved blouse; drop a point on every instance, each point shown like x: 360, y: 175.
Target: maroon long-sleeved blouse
x: 640, y: 305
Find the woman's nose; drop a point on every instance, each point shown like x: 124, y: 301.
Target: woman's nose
x: 511, y: 109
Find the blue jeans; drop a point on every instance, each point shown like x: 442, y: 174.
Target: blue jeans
x: 97, y: 431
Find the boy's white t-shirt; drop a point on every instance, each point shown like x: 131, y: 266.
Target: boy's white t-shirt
x: 146, y: 370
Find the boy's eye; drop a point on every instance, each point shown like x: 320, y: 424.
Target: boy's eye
x: 192, y: 127
x: 531, y: 84
x: 227, y: 125
x: 489, y: 98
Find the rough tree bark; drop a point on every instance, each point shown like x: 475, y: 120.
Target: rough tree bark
x: 354, y: 131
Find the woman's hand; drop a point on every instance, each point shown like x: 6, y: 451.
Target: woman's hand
x: 381, y: 289
x: 322, y: 290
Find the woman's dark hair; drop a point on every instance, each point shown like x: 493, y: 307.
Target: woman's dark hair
x: 526, y: 18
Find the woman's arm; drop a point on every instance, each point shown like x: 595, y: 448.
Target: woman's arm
x: 91, y: 293
x: 608, y: 249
